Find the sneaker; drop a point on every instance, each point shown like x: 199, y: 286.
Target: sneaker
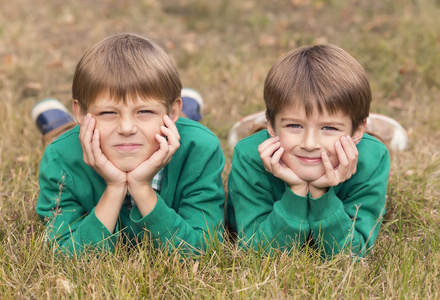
x: 246, y: 126
x: 192, y: 104
x: 388, y: 131
x: 52, y: 119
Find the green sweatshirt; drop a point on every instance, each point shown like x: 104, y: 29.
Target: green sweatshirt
x: 190, y: 203
x: 265, y: 212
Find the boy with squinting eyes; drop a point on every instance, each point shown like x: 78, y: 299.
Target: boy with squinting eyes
x: 132, y: 167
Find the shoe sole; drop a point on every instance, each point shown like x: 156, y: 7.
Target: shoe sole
x: 398, y: 139
x: 250, y: 120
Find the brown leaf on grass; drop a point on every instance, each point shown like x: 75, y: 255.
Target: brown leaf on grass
x: 69, y: 19
x: 15, y: 216
x: 396, y: 103
x: 9, y: 60
x: 267, y: 40
x: 31, y: 89
x: 377, y: 23
x: 300, y: 2
x: 30, y: 230
x: 320, y: 40
x: 190, y: 47
x: 55, y: 64
x: 63, y: 284
x: 23, y: 158
x: 247, y: 5
x: 33, y: 86
x: 195, y: 267
x: 170, y: 45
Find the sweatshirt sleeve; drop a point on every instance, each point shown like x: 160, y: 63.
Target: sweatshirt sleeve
x: 71, y: 224
x: 262, y: 209
x: 189, y: 213
x: 350, y: 218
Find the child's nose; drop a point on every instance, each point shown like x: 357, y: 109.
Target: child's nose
x: 310, y: 141
x: 127, y: 126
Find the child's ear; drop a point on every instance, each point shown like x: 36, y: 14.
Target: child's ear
x: 176, y: 108
x: 359, y: 132
x: 270, y: 129
x: 77, y: 111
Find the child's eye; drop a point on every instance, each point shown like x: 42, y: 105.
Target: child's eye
x: 329, y: 128
x: 146, y: 112
x: 106, y: 113
x: 295, y: 126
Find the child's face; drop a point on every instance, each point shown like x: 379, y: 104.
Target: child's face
x: 127, y: 131
x: 305, y: 138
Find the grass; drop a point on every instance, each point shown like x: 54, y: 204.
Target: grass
x: 224, y: 49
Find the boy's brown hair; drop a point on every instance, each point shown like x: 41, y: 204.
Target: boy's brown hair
x: 126, y: 66
x: 323, y: 77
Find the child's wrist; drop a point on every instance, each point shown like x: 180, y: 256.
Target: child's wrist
x: 140, y: 189
x: 299, y: 189
x: 117, y: 186
x: 317, y: 192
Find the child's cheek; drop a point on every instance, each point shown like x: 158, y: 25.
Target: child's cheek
x: 334, y: 160
x: 154, y: 143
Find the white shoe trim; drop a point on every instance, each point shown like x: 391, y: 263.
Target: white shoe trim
x: 258, y: 117
x: 48, y: 104
x: 190, y: 93
x: 400, y: 138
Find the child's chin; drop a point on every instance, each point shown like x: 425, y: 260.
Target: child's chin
x: 309, y: 177
x: 127, y: 166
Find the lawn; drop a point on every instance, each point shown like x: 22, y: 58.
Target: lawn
x: 224, y: 49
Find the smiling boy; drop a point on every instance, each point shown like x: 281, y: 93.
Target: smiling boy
x: 132, y: 167
x: 313, y: 175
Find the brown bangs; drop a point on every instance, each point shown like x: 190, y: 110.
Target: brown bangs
x: 124, y: 68
x: 321, y: 78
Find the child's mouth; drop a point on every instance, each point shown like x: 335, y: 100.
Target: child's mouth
x: 309, y: 160
x: 128, y: 147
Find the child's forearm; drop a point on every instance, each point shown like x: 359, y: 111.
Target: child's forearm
x: 145, y: 198
x: 108, y: 208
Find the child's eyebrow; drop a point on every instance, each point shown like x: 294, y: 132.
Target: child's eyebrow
x: 333, y: 123
x: 290, y: 120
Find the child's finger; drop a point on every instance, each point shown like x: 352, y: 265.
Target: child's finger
x: 275, y: 160
x: 267, y: 149
x: 96, y: 146
x: 266, y: 156
x: 352, y: 145
x: 330, y: 172
x: 342, y: 157
x: 172, y: 126
x: 88, y: 127
x: 267, y: 153
x: 164, y: 154
x: 83, y: 123
x: 350, y: 153
x: 267, y: 143
x: 171, y: 137
x: 349, y: 148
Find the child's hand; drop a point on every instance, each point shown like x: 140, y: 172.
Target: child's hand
x: 168, y: 145
x: 93, y: 156
x: 270, y: 153
x: 348, y: 158
x: 139, y: 179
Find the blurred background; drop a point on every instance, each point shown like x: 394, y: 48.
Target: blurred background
x: 224, y: 49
